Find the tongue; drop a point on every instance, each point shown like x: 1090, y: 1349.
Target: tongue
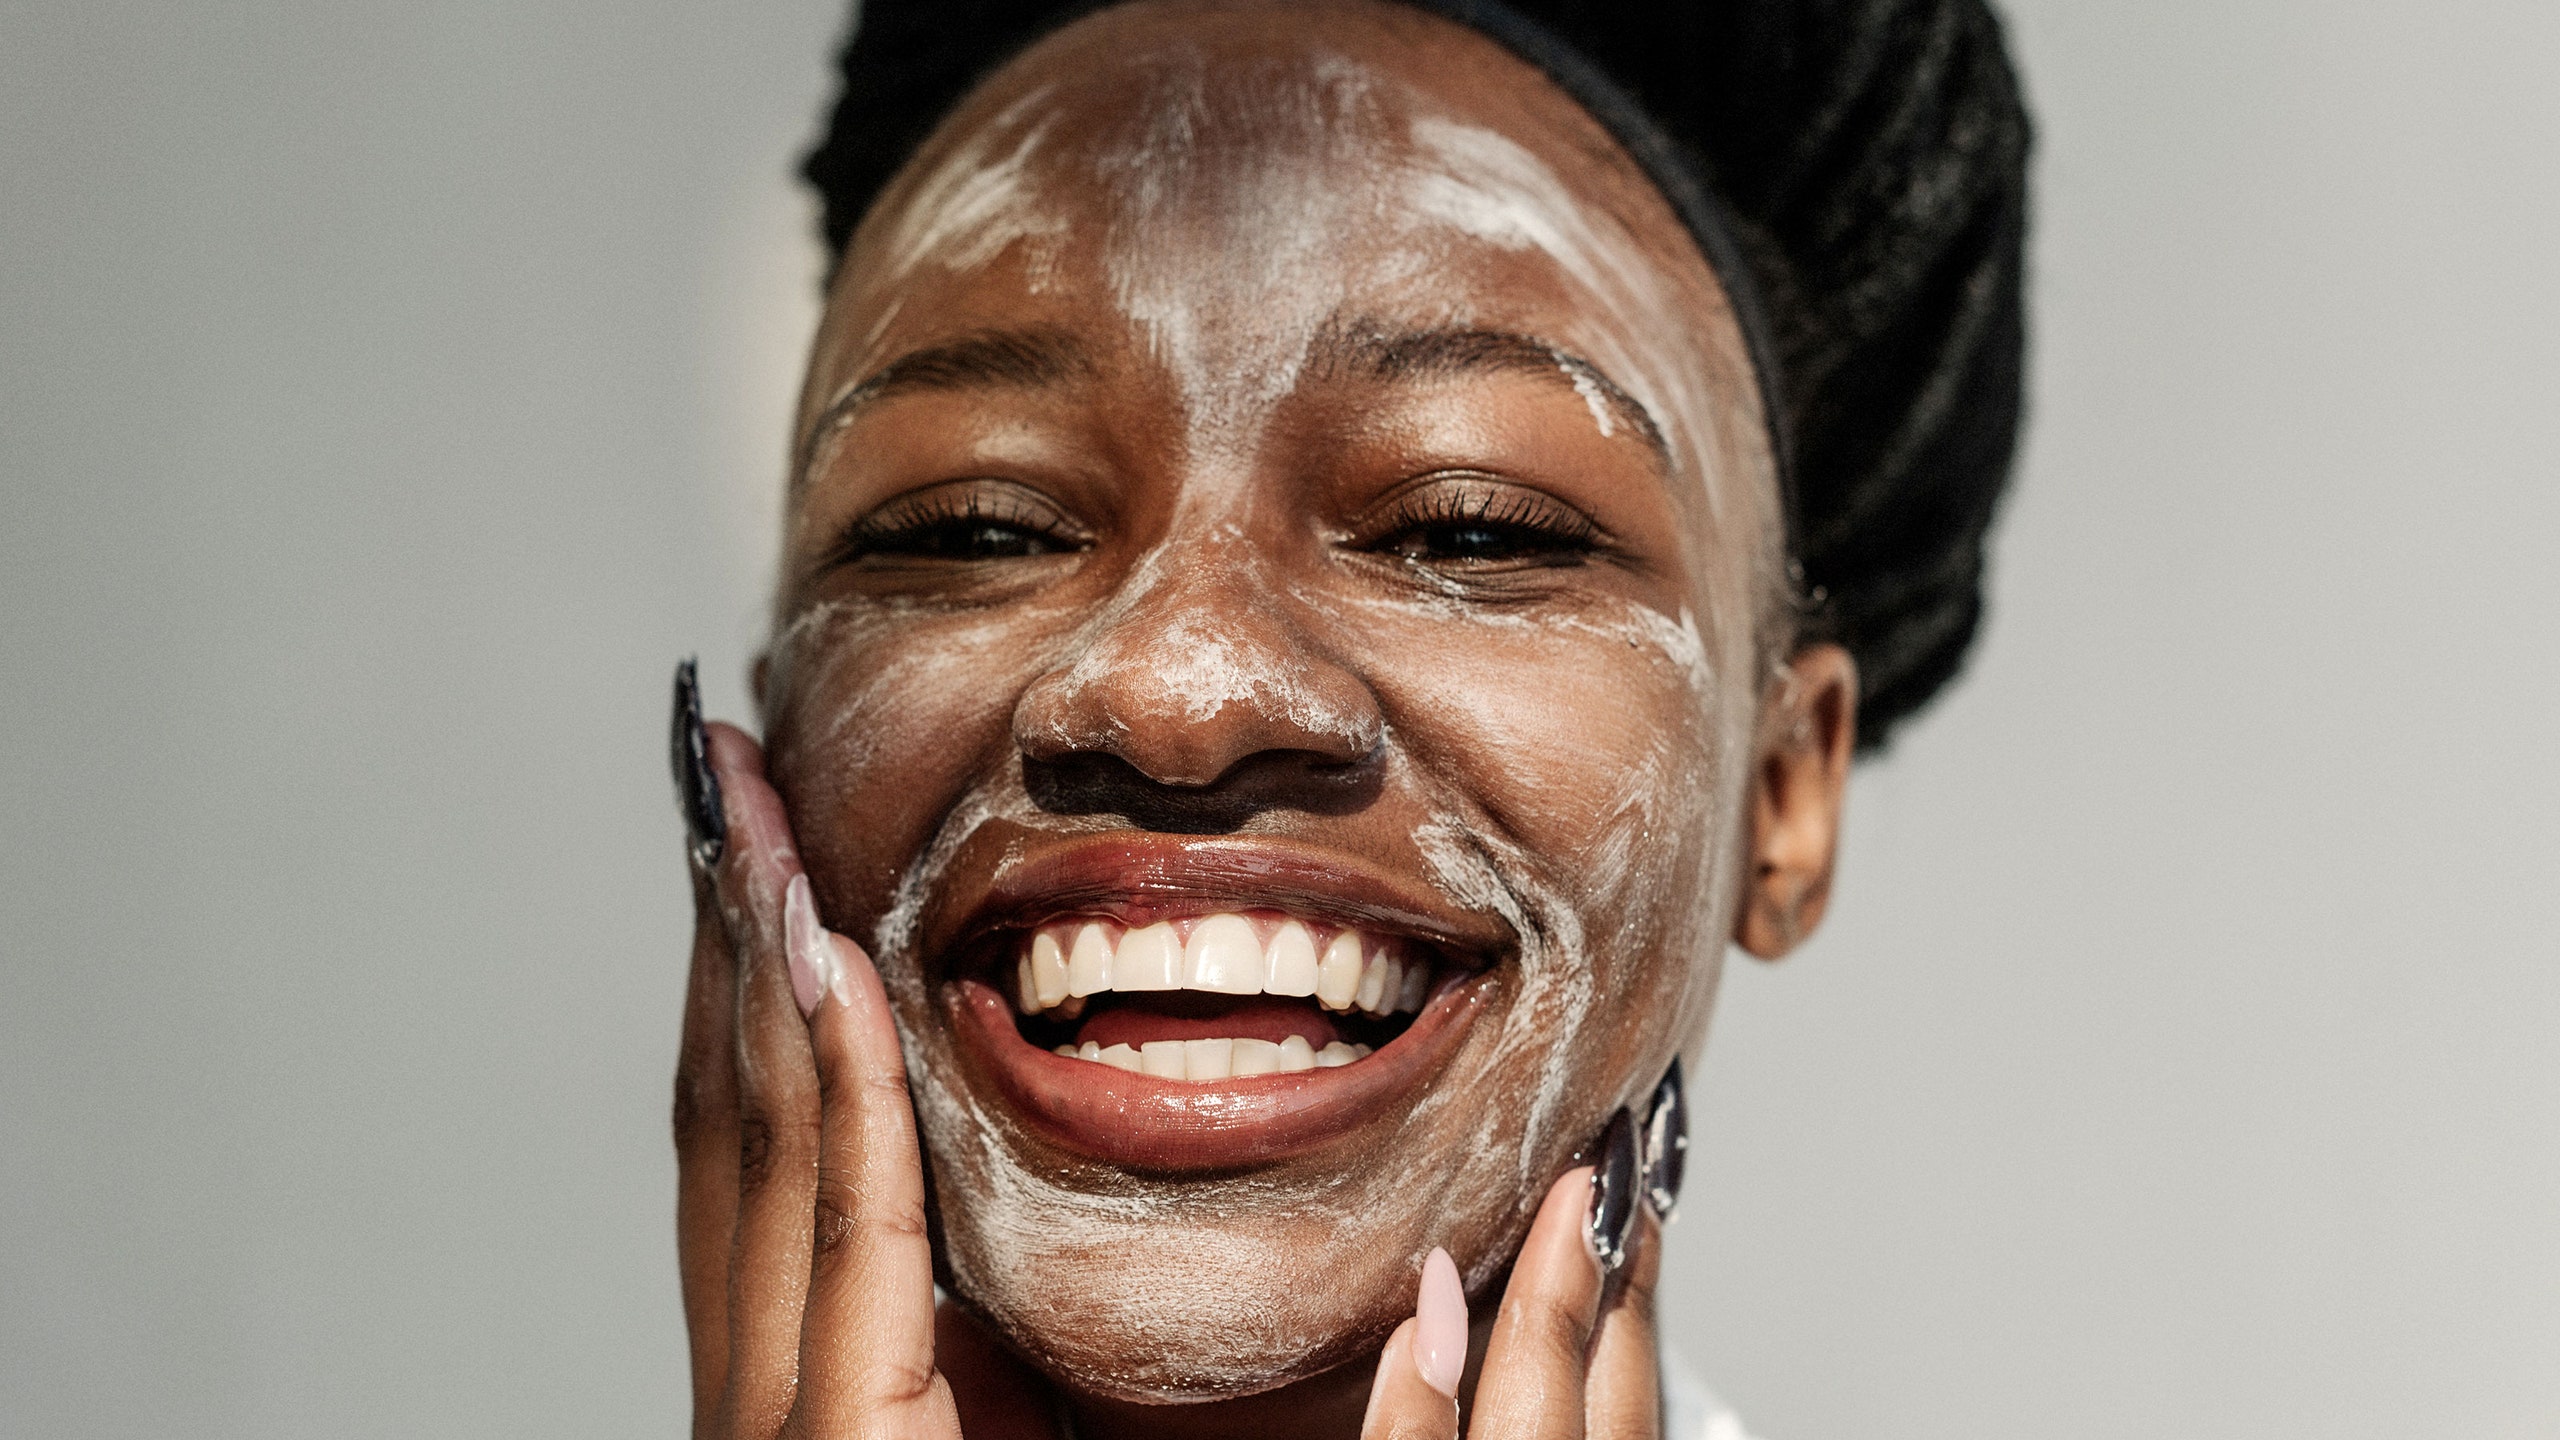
x: 1258, y: 1017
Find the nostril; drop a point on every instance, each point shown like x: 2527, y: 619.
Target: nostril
x: 1096, y: 784
x: 1189, y: 717
x: 1198, y: 666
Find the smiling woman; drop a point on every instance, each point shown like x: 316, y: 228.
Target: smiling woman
x: 1299, y: 643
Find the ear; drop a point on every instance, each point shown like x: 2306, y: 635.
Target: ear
x: 757, y: 674
x: 1799, y: 780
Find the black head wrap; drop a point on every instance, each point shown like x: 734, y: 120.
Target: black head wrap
x: 1855, y: 171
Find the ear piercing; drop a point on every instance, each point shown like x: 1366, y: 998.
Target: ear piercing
x: 697, y: 788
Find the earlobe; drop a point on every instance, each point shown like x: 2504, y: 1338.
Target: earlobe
x: 1800, y: 780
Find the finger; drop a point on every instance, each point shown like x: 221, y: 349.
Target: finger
x: 1532, y: 1384
x: 777, y: 1099
x: 706, y: 1135
x: 1623, y: 1399
x: 866, y: 1350
x: 1402, y: 1406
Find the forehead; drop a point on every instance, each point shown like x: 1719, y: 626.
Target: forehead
x: 1221, y: 184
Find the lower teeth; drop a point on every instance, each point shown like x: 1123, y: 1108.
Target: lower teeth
x: 1217, y: 1059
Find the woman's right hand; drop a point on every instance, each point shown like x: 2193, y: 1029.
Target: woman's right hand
x: 800, y: 1210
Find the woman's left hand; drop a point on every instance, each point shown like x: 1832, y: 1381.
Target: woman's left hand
x: 1557, y: 1365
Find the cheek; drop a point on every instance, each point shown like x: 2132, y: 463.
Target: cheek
x: 1592, y: 738
x: 1582, y: 770
x: 878, y: 716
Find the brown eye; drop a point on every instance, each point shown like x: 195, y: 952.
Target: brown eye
x: 959, y: 524
x: 964, y: 538
x: 1485, y: 525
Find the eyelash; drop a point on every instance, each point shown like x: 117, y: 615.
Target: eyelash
x: 942, y: 526
x: 1514, y: 525
x: 1439, y: 524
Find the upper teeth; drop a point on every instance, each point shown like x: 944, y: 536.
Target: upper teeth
x: 1226, y: 953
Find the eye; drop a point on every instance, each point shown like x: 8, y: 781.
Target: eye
x: 971, y: 521
x: 1483, y: 524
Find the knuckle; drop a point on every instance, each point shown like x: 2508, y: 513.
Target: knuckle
x: 844, y: 1216
x: 898, y: 1382
x: 755, y: 1151
x: 836, y: 1207
x: 856, y: 1084
x: 767, y: 1146
x: 1555, y: 1334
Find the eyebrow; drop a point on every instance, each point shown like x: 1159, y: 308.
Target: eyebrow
x: 1375, y: 351
x: 988, y: 360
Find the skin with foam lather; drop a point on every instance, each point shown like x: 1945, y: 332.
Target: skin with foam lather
x: 1267, y: 459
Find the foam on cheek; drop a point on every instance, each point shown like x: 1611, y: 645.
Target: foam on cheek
x: 884, y: 687
x: 1556, y: 984
x: 1646, y: 885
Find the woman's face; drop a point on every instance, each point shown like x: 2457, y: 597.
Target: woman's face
x: 1280, y: 499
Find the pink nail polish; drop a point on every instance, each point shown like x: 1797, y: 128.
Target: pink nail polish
x: 1440, y: 1325
x: 804, y: 945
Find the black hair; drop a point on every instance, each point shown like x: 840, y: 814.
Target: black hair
x: 1854, y: 170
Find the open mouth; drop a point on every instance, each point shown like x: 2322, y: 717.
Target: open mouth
x: 1221, y: 996
x: 1203, y: 1003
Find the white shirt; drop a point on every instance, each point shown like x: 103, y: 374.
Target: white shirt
x: 1690, y: 1411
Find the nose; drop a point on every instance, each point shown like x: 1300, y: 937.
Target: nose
x: 1193, y: 669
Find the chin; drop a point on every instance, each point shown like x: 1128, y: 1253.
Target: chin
x: 1196, y: 1110
x: 1168, y: 1310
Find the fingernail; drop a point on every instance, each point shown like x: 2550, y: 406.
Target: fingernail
x: 804, y: 946
x: 697, y: 788
x: 1613, y: 1194
x: 1440, y: 1325
x: 1666, y: 1143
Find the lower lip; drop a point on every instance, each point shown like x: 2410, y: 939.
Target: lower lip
x: 1146, y: 1123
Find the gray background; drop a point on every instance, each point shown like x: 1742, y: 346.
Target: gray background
x: 394, y: 391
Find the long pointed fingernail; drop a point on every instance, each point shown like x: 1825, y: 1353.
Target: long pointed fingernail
x: 697, y: 788
x: 804, y: 946
x: 1666, y: 1143
x: 1440, y: 1325
x: 1613, y: 1193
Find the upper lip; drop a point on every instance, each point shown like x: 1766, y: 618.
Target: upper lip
x: 1136, y: 878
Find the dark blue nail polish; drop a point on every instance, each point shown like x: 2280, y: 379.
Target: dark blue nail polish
x: 697, y: 788
x: 1613, y: 1193
x: 1666, y: 1143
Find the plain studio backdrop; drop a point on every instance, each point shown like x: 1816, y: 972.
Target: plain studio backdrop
x: 394, y: 392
